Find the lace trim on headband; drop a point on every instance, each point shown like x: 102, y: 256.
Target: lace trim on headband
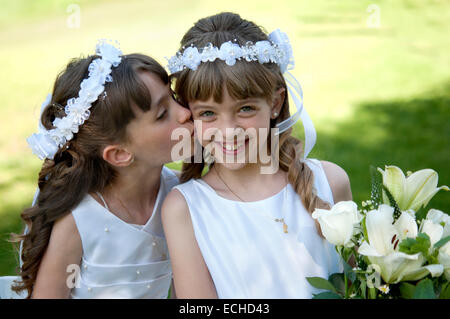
x: 277, y: 50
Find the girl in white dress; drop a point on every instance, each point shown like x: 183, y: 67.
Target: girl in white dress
x: 105, y: 134
x: 236, y: 232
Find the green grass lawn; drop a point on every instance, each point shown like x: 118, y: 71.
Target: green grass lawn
x: 376, y: 95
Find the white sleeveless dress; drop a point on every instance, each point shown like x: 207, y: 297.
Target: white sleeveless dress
x: 122, y: 260
x: 247, y: 252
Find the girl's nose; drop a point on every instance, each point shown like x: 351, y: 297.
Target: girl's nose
x: 183, y: 114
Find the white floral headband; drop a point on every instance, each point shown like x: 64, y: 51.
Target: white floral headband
x: 46, y: 143
x: 277, y: 50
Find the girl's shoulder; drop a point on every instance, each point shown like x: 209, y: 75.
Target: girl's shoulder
x: 175, y: 210
x: 176, y: 205
x: 65, y: 236
x: 338, y: 180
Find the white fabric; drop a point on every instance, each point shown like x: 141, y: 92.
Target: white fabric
x: 248, y: 254
x: 119, y: 259
x: 140, y: 227
x: 5, y: 288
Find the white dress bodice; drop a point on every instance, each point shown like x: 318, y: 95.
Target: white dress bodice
x: 247, y: 252
x: 122, y: 260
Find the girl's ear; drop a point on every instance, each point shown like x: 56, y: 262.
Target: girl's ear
x: 116, y: 155
x: 277, y: 102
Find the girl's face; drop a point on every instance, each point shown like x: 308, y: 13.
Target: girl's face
x: 233, y: 129
x: 149, y: 134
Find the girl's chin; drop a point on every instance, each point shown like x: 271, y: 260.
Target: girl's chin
x: 232, y: 166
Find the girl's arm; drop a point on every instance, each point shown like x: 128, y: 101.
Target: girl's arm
x: 190, y: 273
x: 64, y: 249
x: 338, y: 180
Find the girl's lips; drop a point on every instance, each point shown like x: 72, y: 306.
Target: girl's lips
x: 233, y: 149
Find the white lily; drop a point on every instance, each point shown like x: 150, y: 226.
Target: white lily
x: 441, y: 218
x: 338, y: 223
x: 410, y: 192
x: 382, y: 248
x: 433, y: 230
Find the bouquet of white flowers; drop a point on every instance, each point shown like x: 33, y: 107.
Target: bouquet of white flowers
x: 397, y: 249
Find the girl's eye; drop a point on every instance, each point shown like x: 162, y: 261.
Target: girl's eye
x: 246, y: 108
x: 207, y: 113
x: 161, y: 115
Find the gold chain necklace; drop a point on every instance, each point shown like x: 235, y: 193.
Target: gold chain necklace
x: 121, y: 204
x: 124, y: 207
x: 278, y: 220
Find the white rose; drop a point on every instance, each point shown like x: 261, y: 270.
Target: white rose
x: 338, y: 223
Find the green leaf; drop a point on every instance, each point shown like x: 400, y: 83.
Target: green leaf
x: 445, y: 291
x: 372, y: 293
x: 321, y: 283
x: 392, y: 202
x: 424, y: 290
x: 364, y: 229
x: 337, y: 280
x: 441, y: 242
x: 327, y: 295
x: 376, y: 186
x: 412, y: 246
x: 362, y: 287
x: 407, y: 290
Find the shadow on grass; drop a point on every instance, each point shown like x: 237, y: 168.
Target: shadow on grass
x: 411, y: 134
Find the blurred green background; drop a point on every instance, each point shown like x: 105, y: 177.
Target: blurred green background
x: 375, y: 76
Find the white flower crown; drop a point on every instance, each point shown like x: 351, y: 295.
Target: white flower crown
x: 277, y: 50
x: 46, y: 143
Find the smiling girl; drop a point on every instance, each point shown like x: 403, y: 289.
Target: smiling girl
x: 236, y: 232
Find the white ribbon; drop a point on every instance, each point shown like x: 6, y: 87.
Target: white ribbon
x: 295, y: 91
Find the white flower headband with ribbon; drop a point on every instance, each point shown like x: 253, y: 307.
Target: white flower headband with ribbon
x: 277, y: 50
x: 46, y: 143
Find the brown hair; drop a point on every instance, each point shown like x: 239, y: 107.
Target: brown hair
x: 78, y: 167
x: 243, y: 80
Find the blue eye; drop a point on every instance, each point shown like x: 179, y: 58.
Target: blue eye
x: 207, y: 113
x: 246, y: 108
